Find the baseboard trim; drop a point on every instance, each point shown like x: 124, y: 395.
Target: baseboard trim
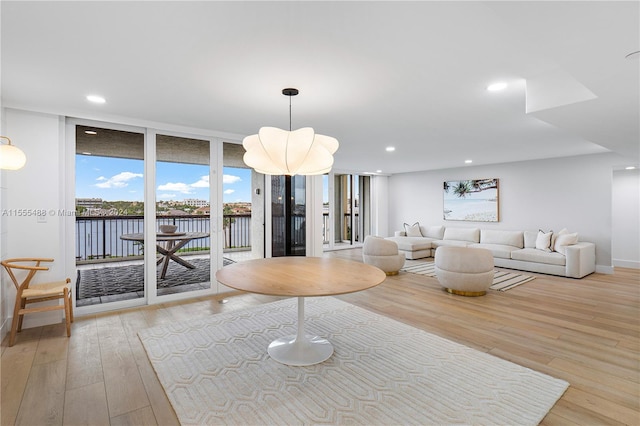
x: 602, y: 269
x: 621, y: 263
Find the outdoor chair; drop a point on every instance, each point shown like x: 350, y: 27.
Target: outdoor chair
x: 26, y: 294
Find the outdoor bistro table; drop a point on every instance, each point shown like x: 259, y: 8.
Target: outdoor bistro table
x: 301, y: 277
x: 175, y: 241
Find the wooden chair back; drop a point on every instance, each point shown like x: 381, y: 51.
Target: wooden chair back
x: 38, y: 293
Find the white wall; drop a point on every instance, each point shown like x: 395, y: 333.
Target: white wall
x: 573, y: 193
x: 380, y: 206
x: 39, y: 185
x: 626, y: 218
x: 5, y: 283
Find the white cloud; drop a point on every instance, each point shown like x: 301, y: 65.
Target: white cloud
x: 120, y: 180
x: 202, y: 183
x: 229, y: 179
x: 229, y: 191
x: 166, y: 196
x: 177, y: 187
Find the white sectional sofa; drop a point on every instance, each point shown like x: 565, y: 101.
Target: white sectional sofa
x: 510, y: 249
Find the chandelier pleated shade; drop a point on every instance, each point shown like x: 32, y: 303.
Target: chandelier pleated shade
x: 275, y: 151
x: 11, y: 158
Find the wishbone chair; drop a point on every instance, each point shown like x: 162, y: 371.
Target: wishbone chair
x: 27, y: 294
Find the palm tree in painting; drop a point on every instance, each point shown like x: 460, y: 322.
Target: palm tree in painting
x: 462, y: 189
x: 465, y: 187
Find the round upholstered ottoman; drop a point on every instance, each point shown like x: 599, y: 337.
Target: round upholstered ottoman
x: 463, y: 270
x: 383, y: 254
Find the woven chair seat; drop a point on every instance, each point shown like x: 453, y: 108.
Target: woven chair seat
x: 45, y: 289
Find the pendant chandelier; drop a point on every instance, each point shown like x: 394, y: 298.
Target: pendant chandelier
x: 275, y: 151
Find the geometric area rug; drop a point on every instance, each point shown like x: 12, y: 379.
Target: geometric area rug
x: 502, y: 280
x: 216, y: 370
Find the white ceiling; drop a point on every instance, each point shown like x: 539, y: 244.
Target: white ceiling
x: 372, y: 74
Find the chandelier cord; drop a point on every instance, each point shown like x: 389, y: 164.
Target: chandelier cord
x: 289, y: 113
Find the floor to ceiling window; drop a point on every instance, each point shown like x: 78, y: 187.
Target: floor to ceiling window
x: 183, y: 210
x: 143, y: 225
x: 109, y: 205
x: 243, y: 207
x: 347, y: 205
x: 288, y: 215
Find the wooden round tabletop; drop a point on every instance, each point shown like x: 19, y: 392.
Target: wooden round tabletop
x: 300, y: 276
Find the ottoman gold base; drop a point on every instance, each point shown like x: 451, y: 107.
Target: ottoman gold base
x: 391, y: 273
x: 466, y: 293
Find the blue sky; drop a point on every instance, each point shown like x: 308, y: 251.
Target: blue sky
x: 119, y: 179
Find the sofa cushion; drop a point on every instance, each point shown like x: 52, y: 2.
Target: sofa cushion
x: 435, y: 232
x: 497, y: 250
x: 450, y: 243
x: 412, y: 243
x: 509, y: 238
x: 539, y: 256
x: 412, y: 230
x: 471, y: 235
x: 530, y: 239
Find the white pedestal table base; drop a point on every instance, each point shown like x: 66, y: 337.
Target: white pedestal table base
x: 300, y: 350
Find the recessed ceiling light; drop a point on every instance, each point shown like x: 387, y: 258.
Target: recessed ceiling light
x: 495, y: 87
x: 91, y: 132
x: 96, y: 99
x: 468, y: 161
x: 390, y: 148
x: 630, y: 168
x: 378, y: 171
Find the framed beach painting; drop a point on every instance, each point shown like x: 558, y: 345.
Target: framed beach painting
x: 471, y: 200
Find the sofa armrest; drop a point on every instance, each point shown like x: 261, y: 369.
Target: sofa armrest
x: 400, y: 234
x: 581, y: 259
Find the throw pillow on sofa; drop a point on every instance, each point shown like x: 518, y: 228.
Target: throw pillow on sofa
x: 564, y: 239
x: 555, y: 236
x: 413, y: 230
x: 543, y: 241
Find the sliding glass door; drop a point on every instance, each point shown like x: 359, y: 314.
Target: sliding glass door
x: 148, y: 214
x: 288, y: 216
x: 346, y: 209
x: 183, y: 210
x: 109, y: 205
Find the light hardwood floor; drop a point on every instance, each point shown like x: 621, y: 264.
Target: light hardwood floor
x: 586, y: 332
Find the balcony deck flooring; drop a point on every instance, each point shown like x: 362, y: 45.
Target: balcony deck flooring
x: 112, y: 282
x: 98, y: 283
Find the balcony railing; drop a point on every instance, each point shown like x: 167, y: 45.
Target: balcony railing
x: 98, y: 237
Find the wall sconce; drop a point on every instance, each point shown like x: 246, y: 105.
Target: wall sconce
x: 11, y: 157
